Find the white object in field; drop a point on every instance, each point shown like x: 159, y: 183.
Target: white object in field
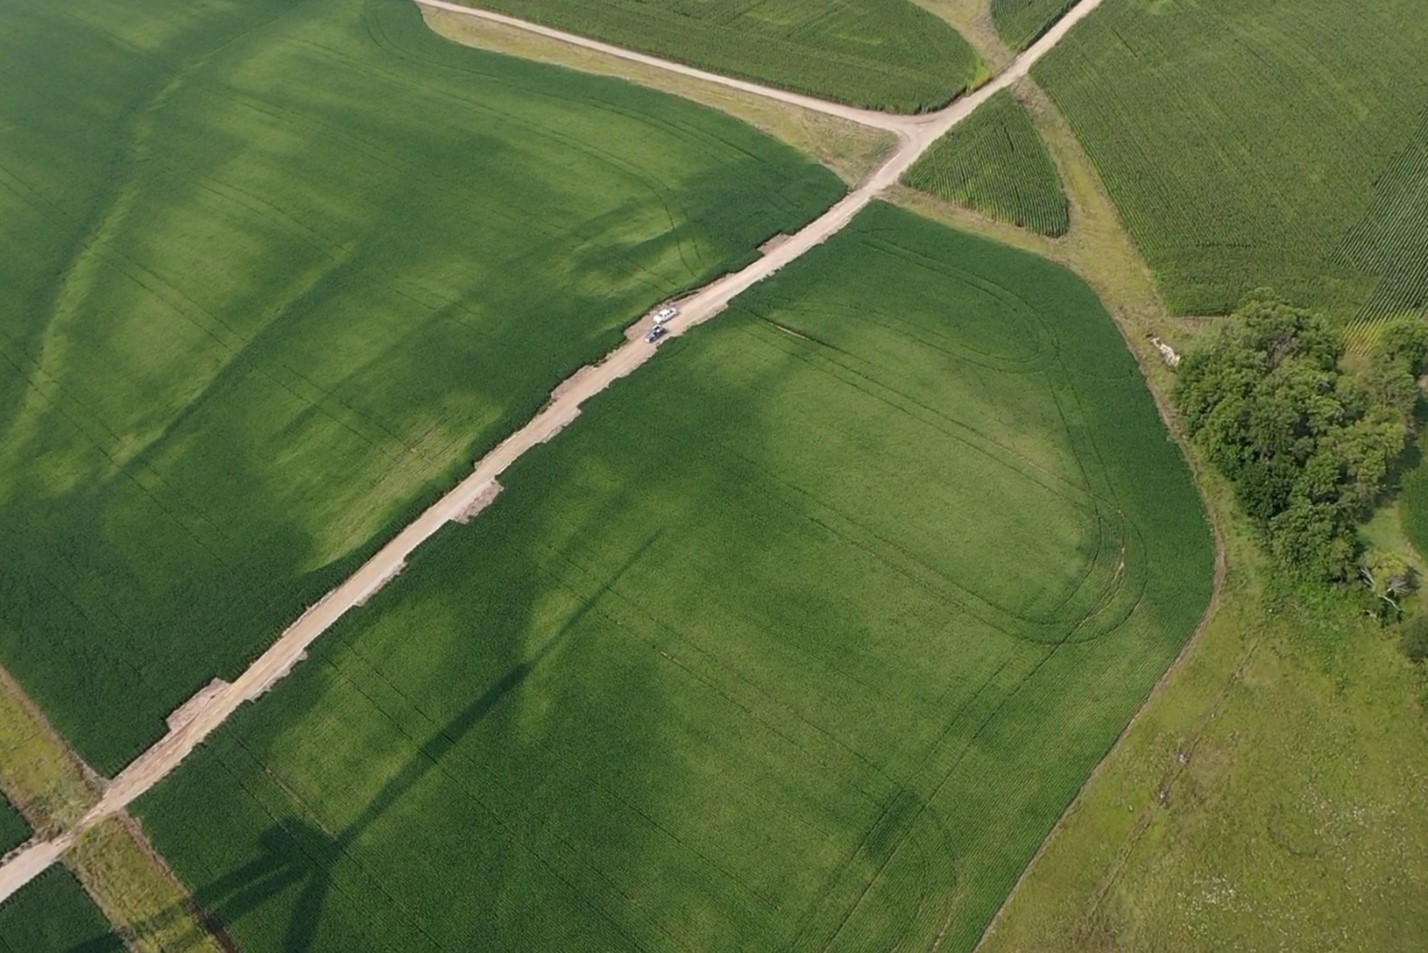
x: 1166, y: 351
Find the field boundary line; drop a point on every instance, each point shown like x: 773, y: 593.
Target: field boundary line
x: 197, y: 719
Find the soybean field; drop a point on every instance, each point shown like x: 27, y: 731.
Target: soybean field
x: 1022, y: 22
x: 890, y: 55
x: 51, y: 914
x: 1261, y: 144
x: 287, y: 268
x: 801, y: 640
x: 995, y: 162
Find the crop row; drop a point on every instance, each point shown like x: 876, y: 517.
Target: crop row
x: 1022, y: 22
x: 1390, y: 242
x: 996, y: 163
x: 1182, y: 108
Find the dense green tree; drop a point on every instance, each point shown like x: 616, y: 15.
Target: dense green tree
x: 1308, y: 446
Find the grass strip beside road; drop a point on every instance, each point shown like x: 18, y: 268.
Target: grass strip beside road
x: 51, y: 787
x: 137, y: 892
x: 39, y: 774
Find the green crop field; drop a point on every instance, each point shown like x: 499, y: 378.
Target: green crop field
x: 996, y: 163
x: 882, y: 54
x: 51, y: 914
x: 286, y: 269
x: 1261, y: 144
x: 13, y: 829
x: 1022, y: 22
x: 802, y: 639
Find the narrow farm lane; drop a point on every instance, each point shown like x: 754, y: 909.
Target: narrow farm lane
x: 192, y: 723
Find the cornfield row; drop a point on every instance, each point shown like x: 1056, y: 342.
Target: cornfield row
x: 1391, y: 242
x: 1022, y: 22
x: 996, y: 163
x: 1182, y: 108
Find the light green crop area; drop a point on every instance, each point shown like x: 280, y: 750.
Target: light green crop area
x: 802, y: 639
x: 1251, y: 144
x: 996, y: 163
x: 286, y: 269
x: 890, y: 55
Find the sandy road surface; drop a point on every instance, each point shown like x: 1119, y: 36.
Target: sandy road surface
x: 199, y: 719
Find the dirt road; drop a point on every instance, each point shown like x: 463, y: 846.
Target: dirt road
x: 197, y: 719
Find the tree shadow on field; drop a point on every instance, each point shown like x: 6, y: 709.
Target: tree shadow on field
x: 296, y: 851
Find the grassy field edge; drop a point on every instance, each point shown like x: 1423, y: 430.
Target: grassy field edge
x: 51, y: 786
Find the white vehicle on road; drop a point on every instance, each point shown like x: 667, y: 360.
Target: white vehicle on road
x: 665, y: 313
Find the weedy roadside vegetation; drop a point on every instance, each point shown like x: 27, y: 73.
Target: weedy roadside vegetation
x: 52, y: 912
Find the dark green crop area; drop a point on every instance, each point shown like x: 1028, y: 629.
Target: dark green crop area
x: 13, y: 829
x: 890, y: 55
x: 278, y: 271
x: 50, y: 914
x: 1022, y: 22
x: 996, y: 163
x: 1251, y: 144
x: 801, y: 639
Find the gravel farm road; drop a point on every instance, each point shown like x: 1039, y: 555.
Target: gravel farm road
x: 192, y: 723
